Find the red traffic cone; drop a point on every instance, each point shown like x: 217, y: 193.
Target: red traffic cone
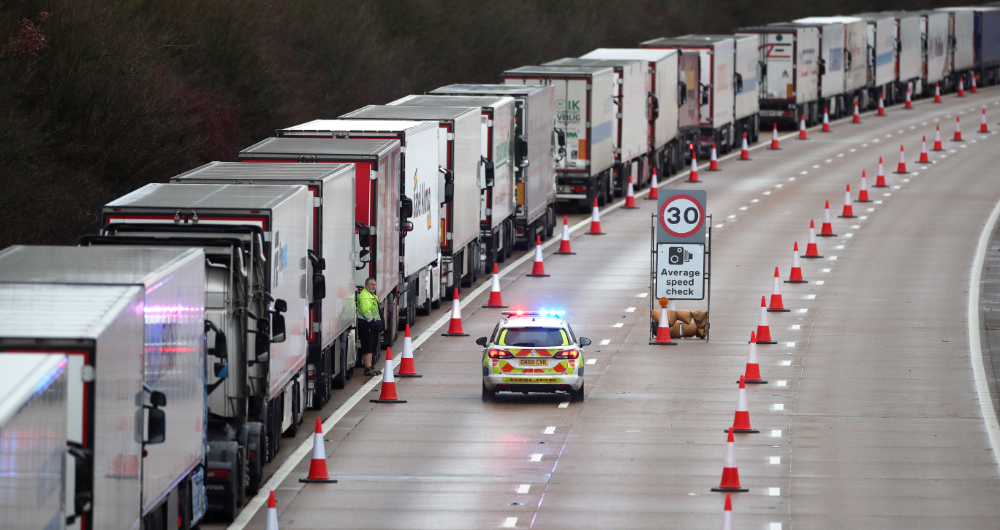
x: 802, y: 129
x: 909, y: 104
x: 763, y: 330
x: 693, y: 175
x: 937, y: 92
x: 654, y: 188
x: 752, y: 376
x: 774, y: 137
x: 937, y: 139
x: 901, y: 167
x: 745, y: 149
x: 564, y: 248
x: 495, y: 301
x: 880, y: 178
x: 796, y: 274
x: 881, y: 105
x: 961, y: 88
x: 713, y: 161
x: 811, y: 250
x: 538, y: 269
x: 827, y: 229
x: 973, y: 87
x: 776, y: 305
x: 727, y: 514
x: 741, y: 423
x: 388, y: 394
x: 983, y: 128
x: 663, y: 327
x: 958, y: 130
x: 826, y: 120
x: 857, y: 113
x: 923, y: 152
x: 730, y: 473
x: 406, y: 366
x: 630, y: 196
x: 271, y: 522
x: 455, y: 327
x: 848, y: 206
x: 317, y: 466
x: 863, y: 192
x: 595, y: 221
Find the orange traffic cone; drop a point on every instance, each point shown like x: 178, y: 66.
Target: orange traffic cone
x: 826, y: 121
x: 811, y: 250
x: 271, y: 521
x: 901, y: 167
x: 796, y: 274
x: 881, y: 105
x: 317, y: 466
x: 909, y: 104
x: 774, y: 137
x: 983, y: 128
x: 776, y: 305
x: 958, y: 130
x: 937, y: 139
x: 745, y: 149
x: 880, y: 178
x: 730, y: 473
x: 663, y: 327
x: 713, y: 161
x: 923, y: 152
x: 564, y: 248
x: 763, y: 330
x: 455, y: 327
x: 727, y: 514
x: 961, y: 88
x: 827, y: 228
x: 848, y: 206
x: 863, y: 192
x: 630, y: 196
x: 752, y: 376
x: 973, y: 87
x: 654, y: 188
x: 802, y: 129
x: 595, y: 221
x: 693, y: 175
x: 406, y: 366
x: 857, y: 113
x: 741, y: 423
x: 388, y: 394
x: 495, y: 302
x: 937, y: 92
x: 538, y: 269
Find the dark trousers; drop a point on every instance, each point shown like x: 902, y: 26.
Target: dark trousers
x: 370, y: 339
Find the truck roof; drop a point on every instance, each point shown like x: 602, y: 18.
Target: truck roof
x: 773, y: 28
x: 381, y: 112
x: 218, y: 196
x: 688, y: 40
x: 576, y: 61
x: 45, y: 310
x: 642, y: 54
x: 890, y: 14
x: 969, y: 8
x: 559, y: 71
x: 92, y: 265
x: 277, y: 171
x: 809, y: 22
x: 507, y: 90
x: 327, y: 126
x: 360, y: 148
x: 828, y: 20
x: 433, y: 100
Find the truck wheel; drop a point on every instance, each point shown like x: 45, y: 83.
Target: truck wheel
x: 255, y: 454
x: 340, y: 379
x: 551, y: 225
x: 293, y: 429
x: 266, y: 432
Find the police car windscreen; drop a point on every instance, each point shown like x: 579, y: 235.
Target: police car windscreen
x: 533, y: 337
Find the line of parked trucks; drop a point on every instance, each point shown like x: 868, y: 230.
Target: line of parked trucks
x: 159, y: 362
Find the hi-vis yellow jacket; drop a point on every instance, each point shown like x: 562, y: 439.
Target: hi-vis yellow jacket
x: 368, y: 306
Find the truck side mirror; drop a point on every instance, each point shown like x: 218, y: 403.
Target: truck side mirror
x: 482, y: 341
x: 280, y: 305
x: 763, y: 69
x: 561, y: 137
x: 221, y: 349
x: 822, y: 67
x: 364, y: 235
x: 522, y: 148
x: 156, y: 426
x: 158, y: 399
x: 364, y: 257
x: 83, y: 498
x: 405, y: 207
x: 319, y: 286
x: 682, y: 93
x: 449, y: 191
x: 277, y: 328
x: 739, y: 82
x: 653, y: 105
x: 704, y: 94
x: 488, y: 171
x: 584, y: 341
x: 318, y: 263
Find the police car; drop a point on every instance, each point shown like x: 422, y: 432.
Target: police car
x: 533, y: 351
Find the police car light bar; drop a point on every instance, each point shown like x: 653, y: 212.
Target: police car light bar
x: 534, y: 313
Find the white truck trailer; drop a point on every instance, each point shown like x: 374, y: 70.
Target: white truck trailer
x: 831, y: 66
x: 258, y: 284
x: 535, y: 153
x: 459, y: 148
x: 33, y: 420
x: 855, y: 58
x: 790, y: 54
x: 664, y: 95
x: 961, y: 44
x: 586, y: 113
x: 717, y: 79
x: 332, y: 337
x: 934, y: 31
x: 881, y: 53
x: 173, y: 362
x: 100, y: 331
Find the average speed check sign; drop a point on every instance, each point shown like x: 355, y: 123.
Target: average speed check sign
x: 681, y: 216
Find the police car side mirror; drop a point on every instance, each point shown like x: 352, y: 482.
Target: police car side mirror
x: 584, y: 341
x: 482, y: 341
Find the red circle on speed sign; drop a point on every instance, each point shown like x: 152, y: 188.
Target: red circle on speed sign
x: 682, y: 215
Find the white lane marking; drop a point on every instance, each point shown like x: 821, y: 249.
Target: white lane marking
x: 778, y: 185
x: 878, y: 202
x: 776, y: 433
x: 732, y: 217
x: 781, y: 383
x: 803, y: 172
x: 779, y: 406
x: 849, y: 234
x: 832, y: 258
x: 816, y: 166
x: 825, y: 270
x: 820, y: 282
x: 855, y: 226
x: 774, y: 492
x: 790, y: 344
x: 537, y: 457
x: 777, y: 526
x: 755, y: 200
x: 524, y: 488
x: 605, y: 342
x: 630, y: 310
x: 871, y: 209
x: 563, y: 405
x: 775, y: 459
x: 549, y: 430
x: 786, y: 363
x: 796, y: 326
x: 828, y: 160
x: 863, y: 217
x: 887, y: 194
x: 810, y: 297
x: 743, y: 207
x: 897, y: 187
x: 975, y: 348
x: 767, y: 193
x: 791, y: 178
x: 510, y: 522
x: 840, y: 155
x: 620, y: 324
x: 864, y: 145
x: 719, y: 226
x: 853, y: 150
x: 591, y: 361
x: 642, y: 295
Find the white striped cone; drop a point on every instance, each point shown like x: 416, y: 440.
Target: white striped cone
x: 713, y: 161
x: 880, y: 178
x: 564, y: 245
x: 730, y: 473
x: 812, y: 251
x: 848, y: 205
x: 745, y: 149
x: 937, y: 139
x: 317, y: 466
x: 693, y: 175
x: 924, y: 159
x: 752, y: 376
x: 827, y: 229
x: 881, y: 105
x: 863, y: 192
x: 538, y: 267
x: 972, y: 88
x: 630, y: 196
x: 388, y: 393
x: 271, y: 522
x: 983, y: 128
x: 961, y: 88
x: 909, y: 104
x: 937, y: 92
x: 595, y: 221
x: 857, y: 113
x: 958, y: 130
x: 774, y: 137
x: 654, y: 188
x: 802, y: 129
x: 901, y: 168
x: 663, y: 330
x: 741, y: 422
x: 455, y: 327
x: 763, y: 330
x: 495, y: 301
x: 826, y: 120
x: 796, y: 274
x: 406, y: 366
x: 727, y: 514
x: 776, y: 304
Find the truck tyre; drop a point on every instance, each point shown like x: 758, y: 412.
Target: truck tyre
x: 293, y: 429
x: 266, y: 432
x: 551, y: 216
x: 511, y: 237
x: 340, y: 378
x: 391, y: 315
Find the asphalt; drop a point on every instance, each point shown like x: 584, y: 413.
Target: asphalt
x: 871, y: 417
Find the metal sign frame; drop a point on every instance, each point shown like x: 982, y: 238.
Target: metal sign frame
x: 653, y: 301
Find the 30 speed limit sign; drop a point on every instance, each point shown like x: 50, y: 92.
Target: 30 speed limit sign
x: 681, y: 216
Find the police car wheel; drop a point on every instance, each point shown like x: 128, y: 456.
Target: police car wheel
x: 576, y: 395
x: 488, y: 394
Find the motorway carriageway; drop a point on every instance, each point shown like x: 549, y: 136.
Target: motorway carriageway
x: 871, y: 418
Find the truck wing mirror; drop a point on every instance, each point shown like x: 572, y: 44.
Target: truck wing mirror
x: 584, y: 341
x: 682, y: 93
x: 364, y: 257
x: 561, y: 137
x: 277, y: 328
x: 158, y: 399
x: 653, y: 105
x: 739, y: 82
x: 489, y: 172
x: 449, y: 191
x: 156, y: 426
x: 405, y: 207
x: 482, y: 341
x: 522, y: 148
x: 280, y: 305
x: 364, y: 235
x: 319, y: 286
x: 704, y: 94
x: 763, y: 69
x: 822, y: 67
x: 221, y: 348
x: 318, y: 263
